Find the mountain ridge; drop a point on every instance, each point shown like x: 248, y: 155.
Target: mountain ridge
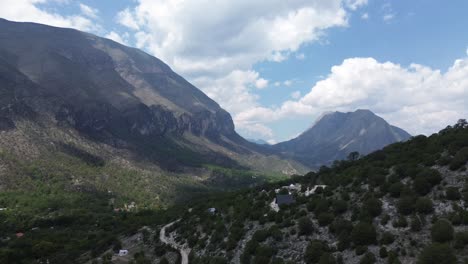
x: 335, y: 134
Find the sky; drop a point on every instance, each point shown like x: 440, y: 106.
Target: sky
x: 277, y: 65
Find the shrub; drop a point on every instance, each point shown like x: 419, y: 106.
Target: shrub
x: 387, y: 238
x: 424, y: 205
x: 373, y: 206
x: 363, y: 234
x: 461, y: 239
x: 405, y: 205
x: 421, y: 185
x: 325, y: 219
x: 437, y: 253
x: 452, y: 193
x: 368, y: 258
x: 442, y: 231
x: 314, y: 251
x: 383, y: 252
x: 340, y: 206
x: 305, y: 226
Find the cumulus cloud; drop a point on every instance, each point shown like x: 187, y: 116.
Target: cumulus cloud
x: 29, y: 11
x: 261, y: 83
x: 355, y: 4
x: 89, y: 11
x: 417, y: 98
x: 209, y: 42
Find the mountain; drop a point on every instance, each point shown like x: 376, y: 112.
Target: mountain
x: 258, y: 141
x: 111, y: 118
x: 335, y: 135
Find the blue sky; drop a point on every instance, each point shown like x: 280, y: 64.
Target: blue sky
x: 277, y: 65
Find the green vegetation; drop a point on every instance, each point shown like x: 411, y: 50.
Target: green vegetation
x: 348, y: 215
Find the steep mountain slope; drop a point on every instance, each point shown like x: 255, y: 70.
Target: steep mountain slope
x: 72, y: 99
x: 337, y: 134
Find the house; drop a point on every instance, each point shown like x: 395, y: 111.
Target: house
x: 212, y: 210
x: 123, y: 252
x: 284, y: 199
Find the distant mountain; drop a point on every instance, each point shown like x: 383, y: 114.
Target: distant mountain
x: 335, y: 135
x: 66, y: 94
x: 258, y: 141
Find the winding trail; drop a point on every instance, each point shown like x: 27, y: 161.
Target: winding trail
x: 169, y: 240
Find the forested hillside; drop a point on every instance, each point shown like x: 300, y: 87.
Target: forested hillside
x: 404, y: 204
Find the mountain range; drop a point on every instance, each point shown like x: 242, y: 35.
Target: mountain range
x: 69, y: 97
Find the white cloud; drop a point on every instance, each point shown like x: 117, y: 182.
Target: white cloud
x: 261, y: 83
x: 416, y: 98
x: 355, y: 4
x: 296, y: 94
x: 122, y: 39
x: 29, y: 11
x: 300, y: 56
x: 365, y: 16
x: 215, y: 44
x: 288, y: 82
x: 277, y: 84
x: 126, y: 18
x: 89, y: 11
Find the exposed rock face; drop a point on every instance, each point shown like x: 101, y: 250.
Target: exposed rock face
x: 337, y: 134
x: 101, y: 87
x: 116, y: 95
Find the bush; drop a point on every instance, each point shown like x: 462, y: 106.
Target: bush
x: 461, y: 239
x: 396, y: 189
x: 424, y: 205
x: 421, y: 185
x: 305, y: 226
x: 387, y: 238
x: 452, y: 193
x: 373, y: 206
x: 363, y: 234
x: 325, y: 219
x: 314, y: 251
x: 383, y: 252
x: 405, y: 205
x: 368, y: 258
x: 442, y: 231
x: 437, y: 253
x: 340, y: 206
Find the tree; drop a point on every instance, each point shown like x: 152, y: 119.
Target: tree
x: 363, y: 234
x: 373, y: 206
x: 437, y: 253
x: 424, y: 205
x: 305, y: 226
x: 368, y: 258
x: 442, y: 231
x: 405, y: 205
x: 314, y: 251
x: 452, y: 193
x: 421, y: 185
